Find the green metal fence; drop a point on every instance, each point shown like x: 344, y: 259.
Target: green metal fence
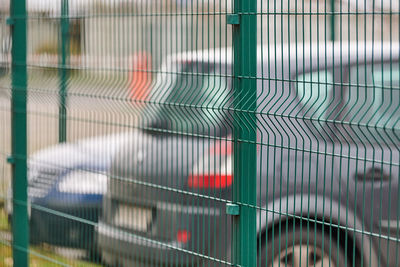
x: 199, y: 133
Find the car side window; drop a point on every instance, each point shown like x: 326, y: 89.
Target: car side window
x: 374, y: 95
x: 314, y: 91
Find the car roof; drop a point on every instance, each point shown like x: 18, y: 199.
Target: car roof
x: 322, y: 52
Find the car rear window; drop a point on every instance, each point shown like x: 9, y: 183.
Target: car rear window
x: 195, y: 100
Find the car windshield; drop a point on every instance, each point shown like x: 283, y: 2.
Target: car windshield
x: 193, y: 101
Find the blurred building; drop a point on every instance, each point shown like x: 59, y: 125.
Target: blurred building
x: 105, y: 33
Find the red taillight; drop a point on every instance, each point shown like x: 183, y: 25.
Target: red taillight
x: 210, y: 181
x: 182, y: 236
x: 214, y: 170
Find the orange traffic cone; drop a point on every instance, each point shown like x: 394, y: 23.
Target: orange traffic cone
x: 140, y: 77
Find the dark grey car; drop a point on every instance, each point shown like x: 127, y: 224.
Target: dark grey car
x: 327, y: 157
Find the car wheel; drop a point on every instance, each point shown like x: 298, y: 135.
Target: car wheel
x: 307, y: 247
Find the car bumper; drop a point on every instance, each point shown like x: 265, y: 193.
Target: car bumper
x: 64, y: 226
x: 122, y: 248
x: 62, y: 222
x: 207, y: 244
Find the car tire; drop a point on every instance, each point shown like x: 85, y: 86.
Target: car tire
x: 297, y: 252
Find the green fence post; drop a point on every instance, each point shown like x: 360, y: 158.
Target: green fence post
x: 244, y: 189
x: 63, y: 69
x: 19, y: 135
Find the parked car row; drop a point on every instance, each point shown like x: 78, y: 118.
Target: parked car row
x: 326, y: 114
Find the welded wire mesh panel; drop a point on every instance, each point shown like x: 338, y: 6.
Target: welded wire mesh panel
x: 328, y: 133
x: 170, y: 181
x: 206, y: 133
x: 128, y: 130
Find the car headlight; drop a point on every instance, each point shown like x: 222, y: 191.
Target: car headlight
x: 83, y: 182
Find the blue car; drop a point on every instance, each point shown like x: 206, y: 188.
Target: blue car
x: 66, y: 183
